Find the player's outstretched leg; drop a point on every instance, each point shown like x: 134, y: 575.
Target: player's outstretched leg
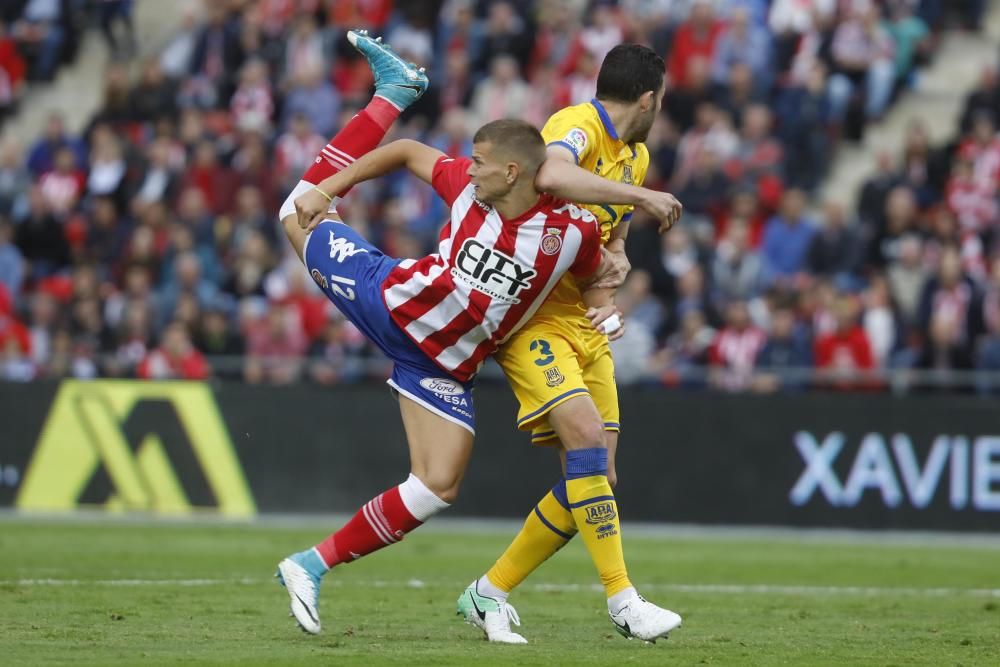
x: 398, y: 84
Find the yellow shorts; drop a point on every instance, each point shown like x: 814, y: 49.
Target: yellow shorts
x: 549, y: 361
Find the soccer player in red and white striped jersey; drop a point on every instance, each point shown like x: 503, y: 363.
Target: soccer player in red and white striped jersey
x: 503, y: 250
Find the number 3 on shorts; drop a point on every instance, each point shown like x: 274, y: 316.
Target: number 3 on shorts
x: 545, y: 356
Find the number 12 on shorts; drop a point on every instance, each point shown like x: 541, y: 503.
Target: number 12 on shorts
x: 347, y: 291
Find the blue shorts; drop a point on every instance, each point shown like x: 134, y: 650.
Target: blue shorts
x: 350, y: 271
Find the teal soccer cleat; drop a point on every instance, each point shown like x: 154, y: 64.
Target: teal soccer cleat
x: 399, y: 82
x: 301, y: 574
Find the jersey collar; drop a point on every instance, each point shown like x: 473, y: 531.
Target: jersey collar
x: 608, y: 125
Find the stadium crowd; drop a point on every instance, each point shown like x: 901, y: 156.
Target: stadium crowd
x: 148, y: 245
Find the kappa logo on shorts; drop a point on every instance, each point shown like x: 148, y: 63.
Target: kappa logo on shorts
x: 319, y: 278
x: 600, y: 513
x: 341, y: 249
x: 553, y: 377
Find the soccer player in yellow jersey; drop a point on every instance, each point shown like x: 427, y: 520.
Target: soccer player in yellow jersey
x: 562, y: 372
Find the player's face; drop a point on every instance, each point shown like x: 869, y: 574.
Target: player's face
x: 487, y: 173
x: 648, y: 117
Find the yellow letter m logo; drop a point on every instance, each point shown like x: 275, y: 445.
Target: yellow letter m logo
x: 149, y: 446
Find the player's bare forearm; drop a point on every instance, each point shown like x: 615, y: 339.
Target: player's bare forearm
x: 560, y: 176
x: 313, y: 205
x: 566, y: 180
x: 404, y: 153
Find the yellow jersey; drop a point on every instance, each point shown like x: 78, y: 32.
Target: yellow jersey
x: 587, y: 132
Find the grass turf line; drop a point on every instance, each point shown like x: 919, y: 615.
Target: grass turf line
x: 397, y: 607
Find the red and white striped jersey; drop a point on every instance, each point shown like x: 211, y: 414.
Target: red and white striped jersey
x: 489, y: 274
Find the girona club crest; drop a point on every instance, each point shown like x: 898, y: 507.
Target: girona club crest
x: 551, y: 243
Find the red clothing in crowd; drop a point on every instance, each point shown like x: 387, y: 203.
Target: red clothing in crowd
x: 689, y: 44
x: 845, y: 351
x: 158, y: 365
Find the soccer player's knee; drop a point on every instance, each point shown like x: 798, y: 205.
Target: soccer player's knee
x: 443, y: 484
x: 584, y: 434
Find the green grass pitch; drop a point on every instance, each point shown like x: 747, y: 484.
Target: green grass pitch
x: 129, y: 593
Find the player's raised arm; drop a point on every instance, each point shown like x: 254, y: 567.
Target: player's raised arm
x: 561, y: 177
x: 418, y: 158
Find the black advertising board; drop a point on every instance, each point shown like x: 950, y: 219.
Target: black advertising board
x: 859, y: 461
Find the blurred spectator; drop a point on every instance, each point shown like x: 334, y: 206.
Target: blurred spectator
x: 503, y: 94
x: 12, y: 73
x: 276, y: 344
x: 14, y: 179
x: 695, y: 38
x: 743, y: 42
x: 737, y: 272
x: 174, y: 358
x: 217, y: 338
x: 252, y: 104
x: 12, y: 331
x: 41, y: 155
x: 907, y: 277
x: 846, y: 351
x: 950, y: 309
x: 734, y: 350
x: 313, y: 99
x: 910, y: 35
x: 334, y: 356
x: 879, y: 321
x: 113, y: 13
x: 983, y: 100
x: 154, y: 95
x: 63, y: 186
x: 40, y: 237
x: 787, y: 238
x: 687, y: 351
x: 41, y: 34
x: 12, y: 268
x: 836, y: 250
x: 922, y: 169
x: 863, y: 55
x: 786, y: 355
x: 642, y: 315
x: 506, y: 34
x: 899, y: 219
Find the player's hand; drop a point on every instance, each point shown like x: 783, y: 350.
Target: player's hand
x: 599, y: 319
x: 664, y: 207
x: 311, y: 208
x: 613, y: 269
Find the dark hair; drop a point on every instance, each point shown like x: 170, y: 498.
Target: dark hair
x: 517, y: 139
x: 628, y: 71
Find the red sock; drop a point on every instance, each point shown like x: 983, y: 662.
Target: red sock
x: 384, y: 520
x: 361, y: 135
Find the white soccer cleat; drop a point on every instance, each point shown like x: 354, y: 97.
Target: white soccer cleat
x: 303, y: 590
x: 491, y: 615
x: 644, y: 620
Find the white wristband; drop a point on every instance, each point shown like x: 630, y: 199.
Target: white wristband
x: 611, y: 325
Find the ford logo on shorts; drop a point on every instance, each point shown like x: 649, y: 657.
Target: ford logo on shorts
x: 442, y: 386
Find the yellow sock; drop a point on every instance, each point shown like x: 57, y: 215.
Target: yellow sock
x: 596, y: 514
x: 546, y: 530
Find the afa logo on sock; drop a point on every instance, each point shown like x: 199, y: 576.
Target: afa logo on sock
x: 600, y: 513
x: 158, y: 447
